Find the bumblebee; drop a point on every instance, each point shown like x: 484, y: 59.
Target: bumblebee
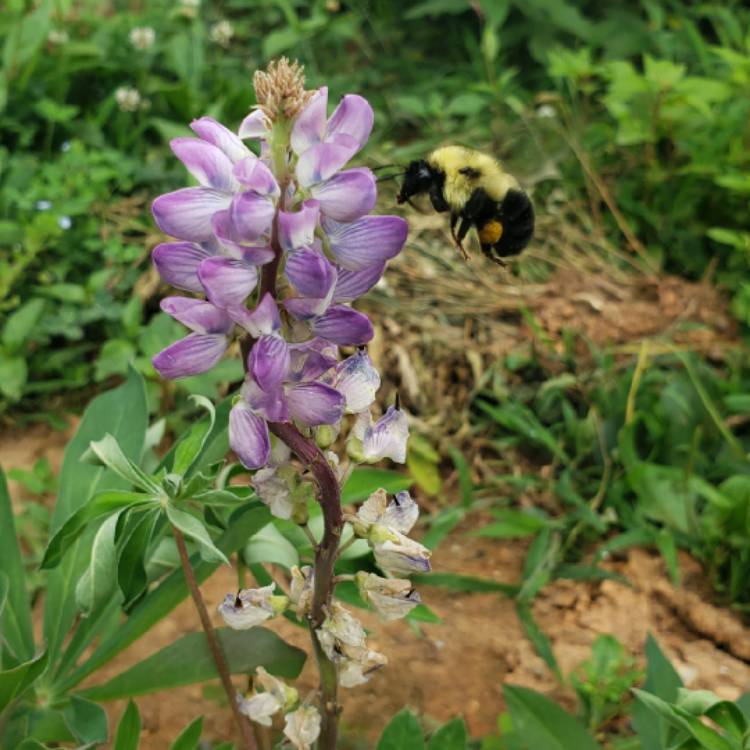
x: 478, y: 193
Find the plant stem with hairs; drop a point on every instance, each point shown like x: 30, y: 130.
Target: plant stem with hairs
x: 243, y: 725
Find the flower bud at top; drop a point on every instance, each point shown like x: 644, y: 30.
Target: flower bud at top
x: 280, y: 89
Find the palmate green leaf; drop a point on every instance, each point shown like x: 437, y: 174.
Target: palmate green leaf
x: 708, y: 738
x: 86, y: 720
x: 99, y: 581
x: 123, y: 413
x: 541, y: 723
x: 194, y: 529
x: 451, y: 736
x: 190, y: 446
x: 131, y: 570
x: 103, y: 503
x: 108, y: 452
x: 243, y: 523
x: 363, y: 482
x: 403, y: 732
x: 128, y: 732
x: 14, y: 681
x: 189, y: 737
x: 188, y: 660
x: 15, y: 617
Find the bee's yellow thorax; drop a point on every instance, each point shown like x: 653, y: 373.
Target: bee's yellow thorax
x: 458, y: 186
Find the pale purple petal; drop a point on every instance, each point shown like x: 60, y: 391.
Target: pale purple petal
x: 177, y: 263
x: 357, y: 381
x: 207, y: 163
x: 315, y: 403
x: 306, y: 308
x: 367, y: 241
x: 323, y: 160
x: 255, y: 125
x: 248, y: 436
x: 256, y: 176
x: 270, y: 405
x: 353, y: 117
x: 221, y: 137
x: 197, y: 314
x: 297, y: 228
x: 311, y: 359
x: 268, y: 362
x: 251, y: 215
x: 310, y: 124
x: 262, y: 321
x: 353, y: 284
x: 387, y: 438
x: 343, y: 326
x: 196, y: 353
x: 229, y: 240
x: 186, y: 214
x: 347, y: 195
x: 227, y: 282
x: 310, y: 272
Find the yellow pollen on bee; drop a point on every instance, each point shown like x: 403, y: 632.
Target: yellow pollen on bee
x: 491, y: 232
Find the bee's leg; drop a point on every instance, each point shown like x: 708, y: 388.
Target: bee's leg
x: 463, y: 230
x: 454, y: 221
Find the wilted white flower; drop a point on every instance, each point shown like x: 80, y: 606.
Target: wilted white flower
x: 396, y: 553
x: 400, y: 514
x: 340, y: 633
x: 221, y: 33
x: 128, y: 99
x: 58, y: 37
x: 357, y: 670
x: 64, y: 222
x: 275, y: 490
x: 65, y: 146
x: 301, y: 590
x: 142, y: 37
x: 250, y: 607
x: 276, y: 696
x: 386, y: 438
x: 302, y: 727
x: 392, y: 598
x: 546, y: 111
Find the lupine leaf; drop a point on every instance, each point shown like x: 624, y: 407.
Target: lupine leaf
x: 190, y: 446
x: 193, y: 528
x: 108, y: 452
x: 451, y: 736
x: 14, y: 681
x: 188, y: 660
x: 129, y: 729
x: 99, y: 581
x: 86, y: 720
x: 190, y: 736
x: 402, y: 733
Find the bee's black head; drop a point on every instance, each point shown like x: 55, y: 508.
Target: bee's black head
x: 418, y: 178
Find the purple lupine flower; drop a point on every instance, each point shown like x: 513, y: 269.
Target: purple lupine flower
x: 247, y: 209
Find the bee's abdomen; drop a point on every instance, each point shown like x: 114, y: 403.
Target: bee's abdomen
x: 516, y: 216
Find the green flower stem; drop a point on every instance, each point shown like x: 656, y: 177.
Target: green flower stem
x: 243, y: 724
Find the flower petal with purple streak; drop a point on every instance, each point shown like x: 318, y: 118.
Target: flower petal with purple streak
x: 177, y: 264
x: 207, y: 163
x: 310, y: 124
x: 367, y: 241
x: 315, y: 403
x: 222, y: 137
x: 348, y: 195
x: 197, y: 314
x: 387, y: 438
x: 268, y: 362
x: 323, y: 160
x: 229, y: 240
x: 196, y: 353
x: 311, y: 359
x: 255, y: 125
x: 227, y: 282
x: 357, y: 381
x: 311, y: 273
x: 262, y: 321
x: 297, y: 228
x: 353, y: 284
x: 353, y: 117
x: 306, y: 308
x: 186, y: 214
x: 256, y: 176
x: 343, y: 326
x: 248, y: 436
x: 270, y: 405
x: 251, y: 215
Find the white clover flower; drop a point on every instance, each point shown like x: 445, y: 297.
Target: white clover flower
x: 142, y: 37
x: 250, y: 607
x: 43, y: 205
x: 221, y: 33
x: 391, y: 598
x: 128, y: 99
x: 546, y: 111
x: 65, y: 222
x: 396, y: 553
x: 58, y: 37
x: 302, y: 727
